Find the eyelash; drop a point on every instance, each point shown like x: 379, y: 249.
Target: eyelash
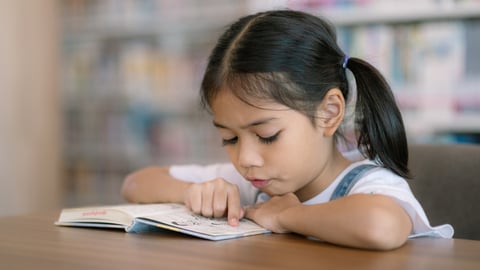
x: 231, y: 141
x: 263, y: 140
x: 268, y: 140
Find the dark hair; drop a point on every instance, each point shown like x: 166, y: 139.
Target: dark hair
x: 293, y: 58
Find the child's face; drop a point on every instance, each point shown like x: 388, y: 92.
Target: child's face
x: 274, y: 147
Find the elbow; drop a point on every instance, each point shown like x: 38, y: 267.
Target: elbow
x: 386, y: 231
x: 382, y: 239
x: 128, y: 188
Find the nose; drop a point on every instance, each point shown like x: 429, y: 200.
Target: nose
x: 248, y: 155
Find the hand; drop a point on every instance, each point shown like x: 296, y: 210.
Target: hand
x: 267, y: 214
x: 215, y: 198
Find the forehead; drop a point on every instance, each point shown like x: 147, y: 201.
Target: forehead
x: 226, y: 101
x: 232, y: 112
x: 253, y: 88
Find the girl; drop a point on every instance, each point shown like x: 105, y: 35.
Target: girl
x: 276, y: 86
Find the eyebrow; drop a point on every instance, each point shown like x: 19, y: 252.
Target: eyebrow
x: 254, y: 123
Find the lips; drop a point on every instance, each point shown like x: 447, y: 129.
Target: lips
x: 259, y: 183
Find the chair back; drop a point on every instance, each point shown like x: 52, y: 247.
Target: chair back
x: 446, y: 181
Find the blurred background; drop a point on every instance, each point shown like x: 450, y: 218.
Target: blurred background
x: 91, y: 90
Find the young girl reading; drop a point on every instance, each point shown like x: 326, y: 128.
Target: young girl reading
x: 277, y: 87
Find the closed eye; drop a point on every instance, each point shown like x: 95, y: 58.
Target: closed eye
x: 229, y: 141
x: 264, y: 140
x: 268, y: 140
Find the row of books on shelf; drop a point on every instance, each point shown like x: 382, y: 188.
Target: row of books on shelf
x: 433, y: 57
x: 464, y: 100
x: 139, y: 71
x: 433, y: 54
x: 164, y: 16
x: 139, y: 138
x: 133, y: 10
x: 454, y: 137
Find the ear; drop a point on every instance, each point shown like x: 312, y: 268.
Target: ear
x: 331, y: 111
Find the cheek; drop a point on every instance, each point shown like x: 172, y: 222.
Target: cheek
x: 286, y: 153
x: 230, y: 152
x: 302, y: 147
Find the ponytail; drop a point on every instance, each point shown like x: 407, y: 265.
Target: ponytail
x: 381, y: 133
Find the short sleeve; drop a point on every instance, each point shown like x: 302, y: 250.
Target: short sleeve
x: 199, y: 173
x: 389, y: 184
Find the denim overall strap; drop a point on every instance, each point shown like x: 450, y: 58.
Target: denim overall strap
x: 350, y: 179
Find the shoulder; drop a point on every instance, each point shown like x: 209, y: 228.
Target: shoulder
x: 381, y: 175
x: 379, y: 179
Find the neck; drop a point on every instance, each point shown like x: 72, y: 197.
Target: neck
x: 337, y: 164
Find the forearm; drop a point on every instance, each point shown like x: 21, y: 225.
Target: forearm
x: 363, y: 221
x: 153, y: 184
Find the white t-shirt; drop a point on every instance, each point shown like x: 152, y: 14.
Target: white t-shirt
x: 378, y: 181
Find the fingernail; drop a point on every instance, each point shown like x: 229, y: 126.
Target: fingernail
x: 233, y: 221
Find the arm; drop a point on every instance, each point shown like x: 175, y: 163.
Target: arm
x: 359, y: 220
x: 153, y: 184
x: 214, y: 198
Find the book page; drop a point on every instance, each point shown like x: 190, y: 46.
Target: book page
x: 137, y: 210
x: 185, y: 221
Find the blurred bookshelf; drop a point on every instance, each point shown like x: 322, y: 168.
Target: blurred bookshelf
x: 131, y: 72
x: 429, y: 53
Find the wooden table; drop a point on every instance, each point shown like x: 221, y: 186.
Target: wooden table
x: 33, y: 242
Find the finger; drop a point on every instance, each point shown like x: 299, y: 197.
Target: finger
x: 193, y: 199
x: 234, y: 207
x: 219, y: 203
x: 207, y: 200
x: 251, y: 211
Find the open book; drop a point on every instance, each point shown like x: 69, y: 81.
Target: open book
x: 149, y: 217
